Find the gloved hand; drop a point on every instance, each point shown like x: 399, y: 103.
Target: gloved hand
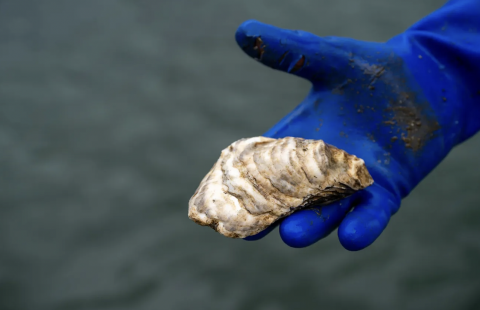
x: 401, y: 106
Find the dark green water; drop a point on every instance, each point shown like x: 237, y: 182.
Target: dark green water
x: 111, y: 112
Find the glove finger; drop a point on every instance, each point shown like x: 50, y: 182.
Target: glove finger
x: 305, y: 227
x: 298, y: 52
x: 368, y: 219
x: 263, y: 233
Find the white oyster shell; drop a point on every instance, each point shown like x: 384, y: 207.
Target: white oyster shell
x: 257, y: 181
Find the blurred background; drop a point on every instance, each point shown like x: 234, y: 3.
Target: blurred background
x: 111, y: 112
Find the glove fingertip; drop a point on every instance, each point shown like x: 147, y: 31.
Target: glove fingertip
x: 261, y: 234
x: 295, y: 231
x: 366, y: 222
x: 241, y: 35
x: 357, y: 234
x: 305, y: 227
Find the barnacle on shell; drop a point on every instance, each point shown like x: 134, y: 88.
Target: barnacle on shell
x: 257, y: 181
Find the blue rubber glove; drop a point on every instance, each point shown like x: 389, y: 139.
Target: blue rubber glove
x: 401, y: 106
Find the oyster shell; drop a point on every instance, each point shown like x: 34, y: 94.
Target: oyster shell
x: 257, y: 181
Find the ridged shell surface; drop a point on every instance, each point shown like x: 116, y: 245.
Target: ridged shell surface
x: 257, y: 181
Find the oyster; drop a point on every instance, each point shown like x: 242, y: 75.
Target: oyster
x: 257, y: 181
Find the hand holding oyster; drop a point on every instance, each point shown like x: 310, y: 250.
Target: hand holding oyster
x: 257, y: 181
